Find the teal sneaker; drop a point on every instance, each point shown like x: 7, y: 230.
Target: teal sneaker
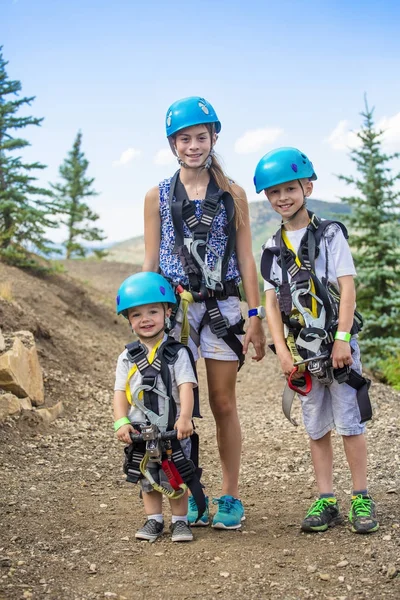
x: 230, y: 513
x: 192, y: 514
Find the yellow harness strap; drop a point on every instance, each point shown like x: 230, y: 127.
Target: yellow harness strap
x: 133, y: 370
x: 314, y: 310
x: 186, y: 299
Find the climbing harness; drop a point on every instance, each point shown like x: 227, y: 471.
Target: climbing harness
x: 309, y: 309
x: 156, y: 441
x: 206, y: 284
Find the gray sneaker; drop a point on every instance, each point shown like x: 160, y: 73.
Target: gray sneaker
x: 181, y: 532
x: 150, y: 531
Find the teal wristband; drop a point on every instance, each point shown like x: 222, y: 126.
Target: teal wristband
x: 343, y: 336
x: 120, y: 422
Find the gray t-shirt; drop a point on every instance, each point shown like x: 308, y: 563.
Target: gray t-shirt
x: 181, y: 372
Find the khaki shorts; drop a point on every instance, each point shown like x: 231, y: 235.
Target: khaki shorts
x: 209, y: 345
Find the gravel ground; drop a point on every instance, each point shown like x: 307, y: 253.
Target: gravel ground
x: 68, y: 517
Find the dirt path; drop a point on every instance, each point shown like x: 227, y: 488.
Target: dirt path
x: 68, y: 518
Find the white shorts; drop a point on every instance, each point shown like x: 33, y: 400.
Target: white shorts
x: 210, y: 346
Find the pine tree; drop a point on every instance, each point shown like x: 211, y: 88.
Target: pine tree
x: 70, y: 197
x: 375, y: 242
x: 24, y: 218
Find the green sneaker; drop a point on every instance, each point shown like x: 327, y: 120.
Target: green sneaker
x: 192, y: 514
x: 230, y: 513
x: 362, y: 515
x: 323, y: 513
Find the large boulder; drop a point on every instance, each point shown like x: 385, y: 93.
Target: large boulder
x: 20, y: 371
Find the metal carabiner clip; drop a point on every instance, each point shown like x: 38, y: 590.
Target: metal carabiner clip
x: 212, y: 277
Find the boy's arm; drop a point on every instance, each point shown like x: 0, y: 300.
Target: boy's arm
x: 275, y: 327
x: 184, y: 424
x: 341, y: 352
x: 121, y: 409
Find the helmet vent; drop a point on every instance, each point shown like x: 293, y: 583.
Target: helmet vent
x: 162, y: 290
x: 294, y: 167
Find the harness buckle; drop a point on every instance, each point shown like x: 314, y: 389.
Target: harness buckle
x: 149, y: 432
x: 220, y: 327
x: 211, y: 206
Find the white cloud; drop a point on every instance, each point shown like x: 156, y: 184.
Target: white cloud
x: 126, y: 157
x: 343, y: 138
x: 164, y: 157
x: 391, y: 127
x: 254, y: 139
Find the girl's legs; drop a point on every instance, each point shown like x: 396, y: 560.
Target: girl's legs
x: 221, y: 379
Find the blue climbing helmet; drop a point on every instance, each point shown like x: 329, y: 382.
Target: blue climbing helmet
x: 281, y: 165
x: 188, y: 112
x: 143, y: 288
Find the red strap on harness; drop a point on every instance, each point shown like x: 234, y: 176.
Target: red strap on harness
x: 308, y: 383
x: 175, y: 480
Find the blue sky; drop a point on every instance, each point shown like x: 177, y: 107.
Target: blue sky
x: 287, y: 73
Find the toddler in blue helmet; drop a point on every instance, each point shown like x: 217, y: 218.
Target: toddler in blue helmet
x: 155, y: 387
x: 310, y: 303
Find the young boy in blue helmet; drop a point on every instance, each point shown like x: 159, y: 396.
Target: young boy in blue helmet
x: 146, y: 300
x: 307, y: 267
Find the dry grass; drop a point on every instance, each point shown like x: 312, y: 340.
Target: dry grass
x: 6, y: 291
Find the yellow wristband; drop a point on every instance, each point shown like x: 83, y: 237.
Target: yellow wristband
x: 120, y: 422
x: 343, y: 336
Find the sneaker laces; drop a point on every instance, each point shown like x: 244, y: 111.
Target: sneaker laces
x: 361, y: 506
x: 319, y: 506
x: 225, y: 504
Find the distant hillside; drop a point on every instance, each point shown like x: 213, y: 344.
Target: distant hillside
x: 263, y: 220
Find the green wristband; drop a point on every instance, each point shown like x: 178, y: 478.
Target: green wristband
x: 343, y: 336
x: 120, y: 422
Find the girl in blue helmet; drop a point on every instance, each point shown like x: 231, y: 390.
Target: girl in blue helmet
x: 307, y: 267
x: 197, y: 232
x: 146, y: 300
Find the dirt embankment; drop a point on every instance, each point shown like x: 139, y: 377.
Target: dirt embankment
x: 68, y: 518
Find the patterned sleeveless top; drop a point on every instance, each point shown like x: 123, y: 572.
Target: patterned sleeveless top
x: 170, y: 263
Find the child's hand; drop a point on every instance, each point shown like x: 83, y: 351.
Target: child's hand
x: 123, y: 433
x: 287, y: 366
x: 184, y: 427
x: 341, y: 354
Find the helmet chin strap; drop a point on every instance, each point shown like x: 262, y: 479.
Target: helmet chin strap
x: 299, y: 209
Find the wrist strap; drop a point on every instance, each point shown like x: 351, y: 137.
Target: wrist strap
x: 120, y: 422
x: 343, y: 336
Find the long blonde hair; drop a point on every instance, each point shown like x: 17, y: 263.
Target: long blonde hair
x: 223, y: 181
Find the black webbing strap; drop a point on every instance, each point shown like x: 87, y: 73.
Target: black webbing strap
x: 169, y: 353
x: 220, y: 326
x: 137, y: 354
x: 362, y: 385
x: 182, y: 209
x: 190, y: 475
